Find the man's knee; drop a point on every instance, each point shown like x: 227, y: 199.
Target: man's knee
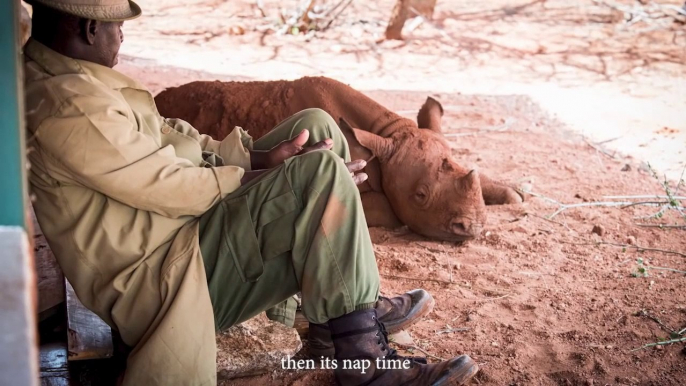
x: 320, y: 120
x: 322, y: 165
x: 318, y: 115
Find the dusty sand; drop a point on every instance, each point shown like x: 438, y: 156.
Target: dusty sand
x: 544, y: 303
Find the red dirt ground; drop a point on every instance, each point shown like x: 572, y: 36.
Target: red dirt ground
x: 544, y: 302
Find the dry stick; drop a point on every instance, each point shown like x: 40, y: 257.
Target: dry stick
x: 599, y: 149
x: 622, y: 204
x: 415, y: 347
x: 585, y: 204
x: 449, y: 330
x: 260, y: 7
x: 336, y: 15
x: 664, y: 269
x: 642, y: 197
x: 552, y: 221
x: 637, y: 247
x: 662, y: 226
x: 660, y: 344
x: 414, y: 278
x: 645, y: 203
x: 491, y: 299
x: 658, y: 321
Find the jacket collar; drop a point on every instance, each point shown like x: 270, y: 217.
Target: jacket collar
x: 55, y: 64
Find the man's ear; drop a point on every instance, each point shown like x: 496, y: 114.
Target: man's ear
x: 382, y: 148
x: 89, y: 28
x: 430, y: 115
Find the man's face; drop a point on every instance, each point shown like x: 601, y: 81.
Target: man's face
x: 108, y: 40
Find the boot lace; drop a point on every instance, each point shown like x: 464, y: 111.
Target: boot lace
x: 382, y: 334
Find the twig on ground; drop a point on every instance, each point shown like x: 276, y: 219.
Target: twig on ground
x: 415, y: 347
x: 664, y: 343
x: 492, y: 299
x: 646, y: 197
x: 259, y: 4
x: 600, y: 149
x: 451, y: 330
x: 664, y: 269
x: 656, y: 320
x: 662, y: 226
x: 564, y: 207
x: 645, y: 203
x: 334, y: 17
x: 637, y: 247
x: 609, y: 140
x: 414, y: 278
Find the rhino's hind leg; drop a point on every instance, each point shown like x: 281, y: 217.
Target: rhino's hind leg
x: 497, y: 193
x: 378, y: 211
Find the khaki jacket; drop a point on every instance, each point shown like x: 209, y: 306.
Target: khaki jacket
x: 118, y: 190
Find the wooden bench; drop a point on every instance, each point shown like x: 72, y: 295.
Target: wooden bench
x: 88, y: 337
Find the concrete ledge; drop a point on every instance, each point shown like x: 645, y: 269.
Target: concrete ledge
x: 18, y: 344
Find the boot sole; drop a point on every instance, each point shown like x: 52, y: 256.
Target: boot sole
x: 460, y: 371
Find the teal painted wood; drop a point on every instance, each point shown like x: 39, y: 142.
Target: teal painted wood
x: 12, y: 146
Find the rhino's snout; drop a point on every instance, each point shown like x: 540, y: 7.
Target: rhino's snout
x: 465, y: 229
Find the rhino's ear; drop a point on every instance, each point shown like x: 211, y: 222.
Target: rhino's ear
x: 430, y: 115
x: 382, y: 148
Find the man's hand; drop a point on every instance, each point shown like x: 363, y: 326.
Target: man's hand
x: 356, y: 166
x: 286, y: 149
x: 353, y: 167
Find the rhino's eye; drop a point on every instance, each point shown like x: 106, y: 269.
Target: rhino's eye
x: 420, y: 196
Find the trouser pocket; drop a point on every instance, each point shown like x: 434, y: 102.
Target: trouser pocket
x: 240, y: 241
x: 276, y: 225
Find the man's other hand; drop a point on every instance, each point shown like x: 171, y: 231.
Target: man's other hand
x: 356, y: 166
x: 285, y: 150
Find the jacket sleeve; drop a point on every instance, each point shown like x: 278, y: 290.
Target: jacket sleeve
x: 234, y: 149
x: 100, y: 147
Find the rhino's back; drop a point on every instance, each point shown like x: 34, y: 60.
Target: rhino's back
x: 214, y: 108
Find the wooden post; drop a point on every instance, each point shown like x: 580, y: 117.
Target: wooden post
x: 18, y: 343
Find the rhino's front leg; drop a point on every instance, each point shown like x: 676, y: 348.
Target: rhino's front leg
x: 497, y: 193
x: 378, y: 211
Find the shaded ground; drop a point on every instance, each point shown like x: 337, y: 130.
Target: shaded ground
x: 543, y: 303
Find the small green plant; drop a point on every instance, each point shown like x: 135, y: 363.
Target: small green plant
x: 643, y: 266
x: 672, y: 199
x: 641, y: 269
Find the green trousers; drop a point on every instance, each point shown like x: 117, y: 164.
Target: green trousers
x: 298, y: 228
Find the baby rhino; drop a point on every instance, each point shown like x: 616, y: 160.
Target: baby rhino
x: 413, y: 179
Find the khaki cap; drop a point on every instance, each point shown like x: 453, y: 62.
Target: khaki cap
x: 101, y: 10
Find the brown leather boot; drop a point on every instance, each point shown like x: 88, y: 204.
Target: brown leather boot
x: 395, y: 313
x: 363, y: 357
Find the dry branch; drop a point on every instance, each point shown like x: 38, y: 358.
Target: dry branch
x: 671, y: 341
x: 415, y: 347
x: 628, y: 246
x: 415, y: 278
